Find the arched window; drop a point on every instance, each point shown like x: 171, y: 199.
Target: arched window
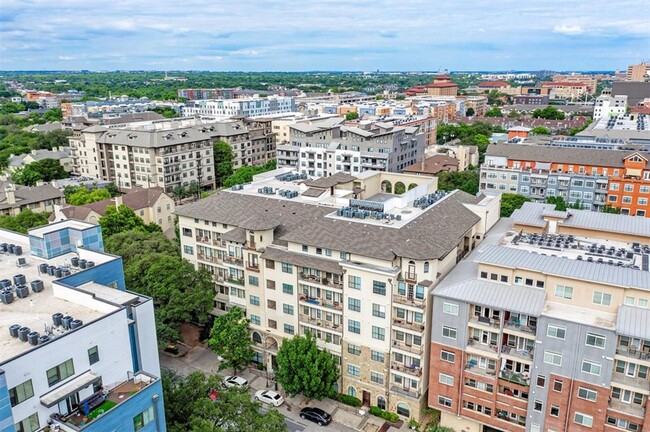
x: 381, y: 402
x: 352, y: 391
x: 257, y: 338
x: 412, y: 185
x: 386, y: 186
x: 403, y: 409
x: 400, y: 188
x: 426, y: 266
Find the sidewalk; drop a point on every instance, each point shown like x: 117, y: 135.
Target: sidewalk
x: 345, y: 418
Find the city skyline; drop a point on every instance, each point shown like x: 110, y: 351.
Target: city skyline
x: 332, y: 35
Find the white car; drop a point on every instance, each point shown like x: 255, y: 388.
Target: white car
x: 235, y: 381
x: 270, y: 397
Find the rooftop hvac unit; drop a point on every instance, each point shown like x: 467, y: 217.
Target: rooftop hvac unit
x: 76, y: 324
x: 37, y: 285
x: 22, y: 333
x: 65, y: 321
x: 5, y: 283
x: 57, y: 319
x: 32, y: 338
x: 22, y: 291
x: 19, y: 279
x: 43, y: 339
x: 7, y: 296
x: 13, y: 330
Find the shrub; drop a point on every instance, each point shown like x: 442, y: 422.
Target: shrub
x: 376, y: 411
x: 386, y: 415
x: 349, y: 400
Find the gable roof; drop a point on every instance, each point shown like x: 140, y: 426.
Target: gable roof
x: 135, y: 200
x: 28, y: 195
x: 432, y: 165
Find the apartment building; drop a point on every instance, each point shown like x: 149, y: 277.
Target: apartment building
x: 638, y: 72
x: 441, y: 85
x: 137, y: 157
x: 248, y: 107
x: 610, y: 106
x: 590, y: 81
x: 78, y: 351
x: 592, y: 177
x: 16, y: 198
x: 343, y: 258
x: 207, y: 93
x: 550, y: 332
x: 565, y: 89
x: 321, y: 149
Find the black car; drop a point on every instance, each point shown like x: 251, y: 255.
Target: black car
x: 316, y: 415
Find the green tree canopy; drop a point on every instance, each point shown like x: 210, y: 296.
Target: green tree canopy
x: 493, y: 112
x: 245, y: 174
x: 223, y: 157
x: 122, y: 218
x: 549, y: 113
x: 540, y: 130
x: 303, y: 368
x: 470, y: 112
x: 464, y: 180
x: 352, y: 115
x: 79, y: 195
x: 26, y: 176
x: 560, y: 203
x: 167, y: 112
x: 511, y: 202
x: 24, y: 221
x: 230, y: 338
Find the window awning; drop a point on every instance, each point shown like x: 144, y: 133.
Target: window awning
x: 69, y: 388
x: 633, y: 172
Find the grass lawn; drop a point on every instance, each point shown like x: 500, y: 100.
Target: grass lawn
x: 108, y: 404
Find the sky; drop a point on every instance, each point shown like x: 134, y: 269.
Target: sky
x: 331, y: 35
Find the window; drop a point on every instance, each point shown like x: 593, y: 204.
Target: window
x: 354, y: 326
x: 305, y: 248
x: 255, y: 319
x: 253, y: 280
x: 187, y: 232
x: 555, y: 411
x: 583, y: 419
x: 557, y: 385
x: 273, y: 324
x: 554, y: 331
x: 289, y: 329
x: 93, y: 355
x: 288, y: 309
x: 590, y: 367
x: 287, y: 288
x: 287, y: 268
x: 30, y: 424
x: 587, y: 394
x: 450, y: 308
x: 447, y: 356
x: 564, y: 292
x: 444, y: 401
x: 21, y: 393
x: 378, y: 333
x: 60, y: 372
x: 354, y: 304
x: 446, y: 379
x: 354, y: 349
x: 541, y: 381
x: 553, y: 358
x: 354, y: 282
x: 143, y: 419
x: 189, y: 250
x: 595, y: 340
x: 379, y: 287
x: 601, y: 298
x: 379, y: 310
x: 354, y: 370
x: 504, y: 278
x: 538, y: 406
x: 377, y: 356
x: 426, y: 266
x: 376, y: 377
x: 254, y: 300
x: 449, y: 332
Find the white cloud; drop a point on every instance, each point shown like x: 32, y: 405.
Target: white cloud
x: 567, y: 29
x: 207, y: 58
x: 66, y: 58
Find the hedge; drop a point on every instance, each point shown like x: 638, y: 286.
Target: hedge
x: 386, y: 415
x: 349, y: 400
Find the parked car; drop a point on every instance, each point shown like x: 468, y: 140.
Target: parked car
x: 316, y: 415
x: 235, y: 381
x: 270, y: 397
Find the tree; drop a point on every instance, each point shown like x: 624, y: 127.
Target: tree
x: 352, y: 115
x: 560, y: 203
x: 122, y: 218
x: 189, y: 407
x: 245, y: 174
x: 548, y: 113
x: 464, y: 180
x: 79, y: 195
x: 303, y: 368
x: 493, y: 112
x: 469, y: 112
x: 26, y: 176
x: 223, y: 157
x: 48, y: 169
x: 230, y: 338
x: 24, y: 221
x: 514, y: 114
x: 611, y: 209
x: 540, y: 130
x: 53, y: 115
x: 167, y: 112
x: 511, y: 202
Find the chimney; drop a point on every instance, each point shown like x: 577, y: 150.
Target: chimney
x: 118, y: 201
x: 33, y: 151
x: 11, y: 195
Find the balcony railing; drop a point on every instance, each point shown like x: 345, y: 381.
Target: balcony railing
x: 411, y: 277
x: 252, y: 266
x: 415, y: 371
x: 634, y: 353
x: 232, y: 260
x: 409, y: 301
x: 640, y: 383
x: 514, y: 377
x: 406, y: 391
x: 418, y: 327
x: 490, y: 322
x: 320, y: 302
x: 210, y: 259
x: 320, y: 280
x: 518, y: 326
x: 415, y: 349
x: 320, y: 322
x: 236, y: 281
x: 526, y: 353
x: 626, y: 408
x: 205, y: 240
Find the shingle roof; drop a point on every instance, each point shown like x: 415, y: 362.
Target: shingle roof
x: 582, y: 270
x: 333, y: 180
x: 432, y: 165
x: 160, y: 138
x: 431, y: 235
x: 302, y: 260
x: 529, y: 301
x: 135, y: 200
x: 565, y: 155
x: 237, y: 235
x: 28, y: 195
x: 633, y: 321
x: 39, y: 155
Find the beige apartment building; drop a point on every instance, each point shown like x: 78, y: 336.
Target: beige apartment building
x: 639, y: 72
x: 143, y: 158
x: 342, y: 259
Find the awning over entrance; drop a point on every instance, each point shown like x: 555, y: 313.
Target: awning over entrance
x: 69, y: 388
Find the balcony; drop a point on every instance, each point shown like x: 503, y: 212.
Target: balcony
x: 415, y: 349
x: 640, y: 383
x: 516, y: 325
x: 626, y: 408
x: 504, y: 416
x: 410, y: 277
x: 112, y: 398
x: 489, y: 348
x: 413, y: 326
x: 526, y: 354
x: 319, y: 322
x: 485, y: 321
x: 311, y: 278
x: 236, y: 281
x: 206, y: 258
x: 204, y: 240
x: 315, y: 301
x: 415, y: 371
x: 233, y: 260
x: 252, y: 266
x: 634, y: 353
x: 409, y: 301
x: 515, y: 377
x: 406, y: 391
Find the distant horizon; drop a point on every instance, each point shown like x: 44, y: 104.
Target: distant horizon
x: 432, y: 72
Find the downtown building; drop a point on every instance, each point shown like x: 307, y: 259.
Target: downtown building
x: 546, y: 326
x: 78, y: 352
x: 322, y: 148
x: 340, y: 258
x: 247, y: 107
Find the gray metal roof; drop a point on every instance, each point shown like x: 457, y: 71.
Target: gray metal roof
x: 574, y: 269
x: 155, y: 139
x: 529, y: 301
x: 532, y: 214
x: 633, y: 321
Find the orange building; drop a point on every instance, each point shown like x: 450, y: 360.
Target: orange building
x: 518, y: 132
x: 630, y: 189
x: 441, y: 85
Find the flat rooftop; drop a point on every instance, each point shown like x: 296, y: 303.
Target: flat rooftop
x: 35, y: 311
